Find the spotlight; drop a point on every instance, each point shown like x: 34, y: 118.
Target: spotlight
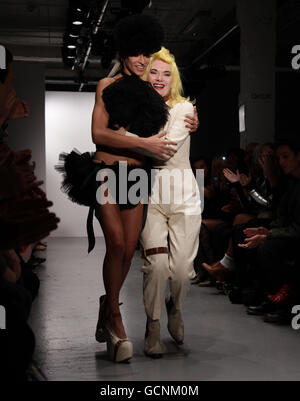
x: 79, y: 5
x: 76, y: 15
x: 68, y: 56
x: 70, y: 40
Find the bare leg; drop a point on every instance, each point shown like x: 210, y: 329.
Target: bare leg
x: 121, y: 230
x: 112, y: 228
x: 132, y: 223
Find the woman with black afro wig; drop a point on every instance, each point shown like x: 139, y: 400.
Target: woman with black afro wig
x: 126, y: 101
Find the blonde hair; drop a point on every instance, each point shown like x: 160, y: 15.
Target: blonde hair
x: 176, y: 94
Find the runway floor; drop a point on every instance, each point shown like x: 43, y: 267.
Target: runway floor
x: 221, y: 341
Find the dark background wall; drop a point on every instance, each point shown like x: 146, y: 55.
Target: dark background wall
x: 288, y: 106
x: 218, y: 107
x: 29, y: 133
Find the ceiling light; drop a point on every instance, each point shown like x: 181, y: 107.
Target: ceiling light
x: 71, y: 47
x: 77, y: 22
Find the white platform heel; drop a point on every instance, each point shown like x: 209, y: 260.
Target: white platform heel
x: 119, y: 349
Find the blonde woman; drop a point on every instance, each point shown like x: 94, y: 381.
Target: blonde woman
x: 170, y: 236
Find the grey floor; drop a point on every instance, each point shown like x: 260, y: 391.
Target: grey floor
x: 221, y: 341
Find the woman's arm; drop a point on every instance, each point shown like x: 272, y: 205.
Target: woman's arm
x: 176, y: 126
x: 102, y: 135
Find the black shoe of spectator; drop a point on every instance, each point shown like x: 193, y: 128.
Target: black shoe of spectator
x: 280, y: 316
x: 220, y: 287
x: 207, y: 283
x: 34, y: 259
x: 32, y: 264
x: 252, y: 297
x: 235, y: 296
x: 265, y: 307
x: 196, y: 279
x: 202, y: 275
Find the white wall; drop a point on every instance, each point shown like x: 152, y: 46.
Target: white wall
x: 68, y: 126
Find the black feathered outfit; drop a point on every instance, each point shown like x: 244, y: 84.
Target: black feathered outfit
x: 132, y: 103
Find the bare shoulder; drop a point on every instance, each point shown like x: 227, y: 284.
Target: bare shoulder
x: 103, y: 83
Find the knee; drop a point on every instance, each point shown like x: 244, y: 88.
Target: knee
x: 157, y: 266
x: 116, y: 245
x: 264, y: 250
x: 270, y: 252
x: 181, y: 274
x: 241, y: 218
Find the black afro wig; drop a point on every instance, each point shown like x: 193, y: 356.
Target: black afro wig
x: 138, y: 34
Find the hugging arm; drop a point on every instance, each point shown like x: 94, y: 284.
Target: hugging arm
x: 102, y: 135
x: 176, y: 126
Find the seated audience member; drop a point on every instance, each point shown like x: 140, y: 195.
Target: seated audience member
x: 249, y: 152
x: 265, y: 255
x: 256, y: 195
x: 220, y: 207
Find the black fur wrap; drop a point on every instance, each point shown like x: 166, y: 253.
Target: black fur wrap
x: 135, y: 105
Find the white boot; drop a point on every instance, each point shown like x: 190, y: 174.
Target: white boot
x: 175, y: 322
x: 152, y: 346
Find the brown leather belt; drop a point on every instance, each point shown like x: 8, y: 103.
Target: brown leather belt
x: 155, y: 251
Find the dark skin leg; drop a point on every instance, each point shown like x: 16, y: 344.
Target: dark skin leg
x: 121, y: 232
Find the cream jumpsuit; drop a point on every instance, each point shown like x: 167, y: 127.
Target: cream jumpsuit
x: 170, y: 237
